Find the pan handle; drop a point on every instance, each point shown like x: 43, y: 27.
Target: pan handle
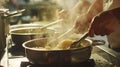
x: 98, y: 42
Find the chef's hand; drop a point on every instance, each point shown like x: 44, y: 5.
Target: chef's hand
x: 105, y: 23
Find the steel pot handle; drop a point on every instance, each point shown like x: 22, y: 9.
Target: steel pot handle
x: 98, y: 42
x: 14, y: 13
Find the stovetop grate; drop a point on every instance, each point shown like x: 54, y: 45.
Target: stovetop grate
x: 88, y: 63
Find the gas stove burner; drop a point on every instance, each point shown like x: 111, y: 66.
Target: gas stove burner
x: 88, y: 63
x: 1, y: 66
x: 16, y: 51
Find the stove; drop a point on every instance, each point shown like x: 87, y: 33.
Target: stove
x: 24, y: 62
x: 88, y: 63
x: 101, y: 56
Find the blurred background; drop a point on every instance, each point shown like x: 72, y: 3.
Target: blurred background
x: 36, y: 12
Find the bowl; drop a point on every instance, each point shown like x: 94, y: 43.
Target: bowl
x: 55, y: 57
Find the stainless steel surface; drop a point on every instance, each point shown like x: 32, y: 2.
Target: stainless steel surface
x: 36, y: 54
x: 23, y: 32
x: 2, y: 34
x: 109, y: 54
x: 105, y: 56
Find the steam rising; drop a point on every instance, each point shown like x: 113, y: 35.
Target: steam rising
x: 72, y: 9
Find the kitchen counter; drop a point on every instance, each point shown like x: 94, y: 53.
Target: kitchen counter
x: 102, y: 56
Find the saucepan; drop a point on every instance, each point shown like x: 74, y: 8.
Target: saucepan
x: 36, y: 53
x: 24, y: 32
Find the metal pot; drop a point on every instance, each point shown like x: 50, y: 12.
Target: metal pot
x: 2, y: 34
x: 56, y: 57
x: 25, y: 32
x: 5, y: 14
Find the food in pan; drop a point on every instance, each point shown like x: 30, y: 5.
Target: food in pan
x: 62, y: 45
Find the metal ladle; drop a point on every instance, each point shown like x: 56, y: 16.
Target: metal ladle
x: 76, y: 44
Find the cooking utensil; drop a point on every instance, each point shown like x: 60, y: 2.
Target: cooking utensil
x: 50, y: 24
x: 76, y: 44
x: 25, y: 32
x: 60, y: 57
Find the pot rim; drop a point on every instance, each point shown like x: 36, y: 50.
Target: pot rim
x: 73, y: 49
x: 23, y: 27
x: 26, y: 25
x: 12, y: 31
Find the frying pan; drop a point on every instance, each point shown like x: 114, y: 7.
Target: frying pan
x: 41, y: 56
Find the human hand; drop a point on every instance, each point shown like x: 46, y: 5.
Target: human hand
x: 105, y: 23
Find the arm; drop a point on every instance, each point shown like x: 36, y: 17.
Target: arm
x: 83, y: 22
